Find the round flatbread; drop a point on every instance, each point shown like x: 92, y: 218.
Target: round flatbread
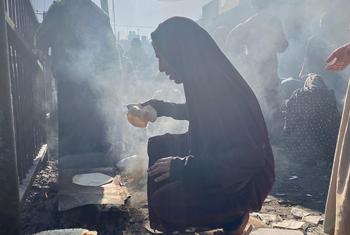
x: 92, y: 179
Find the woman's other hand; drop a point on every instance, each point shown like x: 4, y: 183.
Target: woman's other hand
x: 160, y: 170
x: 339, y: 59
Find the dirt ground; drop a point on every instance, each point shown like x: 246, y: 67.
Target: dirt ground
x: 300, y: 182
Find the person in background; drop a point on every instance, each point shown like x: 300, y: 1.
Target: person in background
x: 297, y: 24
x: 337, y: 216
x: 137, y: 55
x: 322, y: 44
x: 79, y: 39
x: 255, y: 44
x: 312, y: 121
x: 223, y: 167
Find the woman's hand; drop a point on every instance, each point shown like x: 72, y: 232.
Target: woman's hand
x: 160, y: 170
x: 339, y: 59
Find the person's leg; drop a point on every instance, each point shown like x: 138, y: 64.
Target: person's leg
x: 178, y: 210
x: 166, y: 146
x: 159, y: 147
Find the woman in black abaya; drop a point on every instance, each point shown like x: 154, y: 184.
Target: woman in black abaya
x: 223, y: 167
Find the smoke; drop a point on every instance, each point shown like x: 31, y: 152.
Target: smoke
x: 252, y: 41
x: 86, y: 57
x: 260, y: 36
x: 115, y: 88
x: 259, y: 51
x: 120, y: 85
x: 256, y: 41
x: 257, y: 44
x: 139, y: 88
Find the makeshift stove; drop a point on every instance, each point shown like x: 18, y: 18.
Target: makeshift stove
x: 88, y: 167
x: 91, y: 194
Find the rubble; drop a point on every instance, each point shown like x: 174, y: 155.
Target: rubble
x: 299, y: 213
x: 289, y: 224
x: 40, y: 211
x: 269, y: 218
x: 314, y: 220
x: 265, y: 231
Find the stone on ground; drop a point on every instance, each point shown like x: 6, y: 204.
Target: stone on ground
x: 269, y: 231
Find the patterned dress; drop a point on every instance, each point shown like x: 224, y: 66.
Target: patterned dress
x: 311, y: 120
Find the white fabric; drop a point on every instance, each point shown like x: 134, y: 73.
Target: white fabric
x: 337, y: 218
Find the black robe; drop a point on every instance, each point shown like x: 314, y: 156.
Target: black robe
x: 229, y: 157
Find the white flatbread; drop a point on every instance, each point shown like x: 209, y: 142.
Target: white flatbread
x: 92, y: 179
x: 67, y: 232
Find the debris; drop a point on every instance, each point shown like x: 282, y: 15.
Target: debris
x: 150, y: 230
x: 316, y: 233
x: 269, y: 231
x: 269, y: 218
x: 299, y: 213
x: 256, y: 223
x: 248, y: 230
x: 312, y: 219
x: 254, y: 214
x: 289, y: 224
x: 267, y: 200
x: 294, y: 177
x: 92, y: 179
x: 308, y: 195
x: 286, y: 203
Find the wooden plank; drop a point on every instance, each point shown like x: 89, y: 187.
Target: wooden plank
x: 9, y: 195
x: 72, y: 196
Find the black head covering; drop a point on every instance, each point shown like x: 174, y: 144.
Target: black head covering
x: 223, y: 111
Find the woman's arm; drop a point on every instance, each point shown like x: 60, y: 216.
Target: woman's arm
x: 167, y: 109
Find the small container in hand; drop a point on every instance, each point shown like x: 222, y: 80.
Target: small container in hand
x: 139, y: 115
